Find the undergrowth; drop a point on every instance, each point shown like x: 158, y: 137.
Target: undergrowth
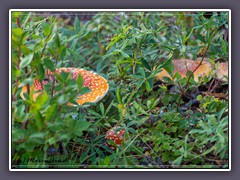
x: 128, y: 49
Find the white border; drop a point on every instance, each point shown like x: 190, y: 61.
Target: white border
x: 119, y: 10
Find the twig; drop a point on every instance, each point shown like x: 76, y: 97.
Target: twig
x: 188, y: 80
x: 215, y: 86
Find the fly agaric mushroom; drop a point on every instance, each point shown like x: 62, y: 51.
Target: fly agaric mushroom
x: 96, y: 83
x: 115, y: 135
x: 182, y: 66
x: 222, y: 71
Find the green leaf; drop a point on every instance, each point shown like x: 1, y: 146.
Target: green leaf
x: 26, y: 60
x: 39, y: 119
x: 165, y: 156
x: 46, y: 28
x: 41, y: 71
x: 85, y: 90
x: 94, y: 113
x: 201, y: 38
x: 57, y: 40
x: 84, y: 156
x: 107, y: 160
x: 102, y: 108
x: 62, y: 99
x: 38, y: 135
x: 15, y: 72
x: 109, y: 107
x: 24, y: 18
x: 169, y: 68
x: 145, y: 63
x: 26, y: 81
x: 177, y: 161
x: 150, y: 82
x: 139, y: 108
x: 52, y: 140
x: 50, y: 112
x: 41, y: 100
x: 148, y: 88
x: 49, y: 64
x: 76, y: 25
x: 142, y: 72
x: 17, y: 32
x: 78, y: 126
x: 16, y: 14
x: 119, y: 96
x: 187, y: 36
x: 80, y: 82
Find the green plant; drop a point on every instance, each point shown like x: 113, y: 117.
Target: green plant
x: 128, y: 49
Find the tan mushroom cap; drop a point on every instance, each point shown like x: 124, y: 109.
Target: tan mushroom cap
x: 182, y: 66
x: 96, y: 83
x: 222, y: 71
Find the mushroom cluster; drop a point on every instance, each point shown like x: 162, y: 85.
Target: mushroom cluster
x: 96, y: 83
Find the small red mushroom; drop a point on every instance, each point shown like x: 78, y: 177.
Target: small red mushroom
x: 116, y: 135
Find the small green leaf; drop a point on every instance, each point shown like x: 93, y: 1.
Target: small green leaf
x: 62, y: 99
x: 17, y: 32
x: 76, y: 25
x: 199, y: 97
x: 78, y: 126
x: 148, y: 88
x: 107, y: 160
x: 26, y: 60
x: 85, y: 90
x: 46, y: 28
x: 41, y: 100
x: 177, y: 161
x: 16, y: 14
x: 50, y: 111
x: 38, y: 135
x: 102, y: 108
x: 80, y: 82
x: 145, y: 63
x: 39, y: 119
x: 109, y: 107
x: 41, y: 71
x: 49, y: 64
x: 52, y: 140
x: 119, y: 96
x: 24, y: 18
x: 201, y: 38
x: 57, y: 40
x: 26, y: 81
x: 169, y: 68
x: 84, y: 156
x: 94, y: 113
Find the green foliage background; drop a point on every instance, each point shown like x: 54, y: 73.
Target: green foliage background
x: 128, y: 49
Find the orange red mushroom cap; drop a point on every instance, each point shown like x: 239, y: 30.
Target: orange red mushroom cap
x: 96, y: 83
